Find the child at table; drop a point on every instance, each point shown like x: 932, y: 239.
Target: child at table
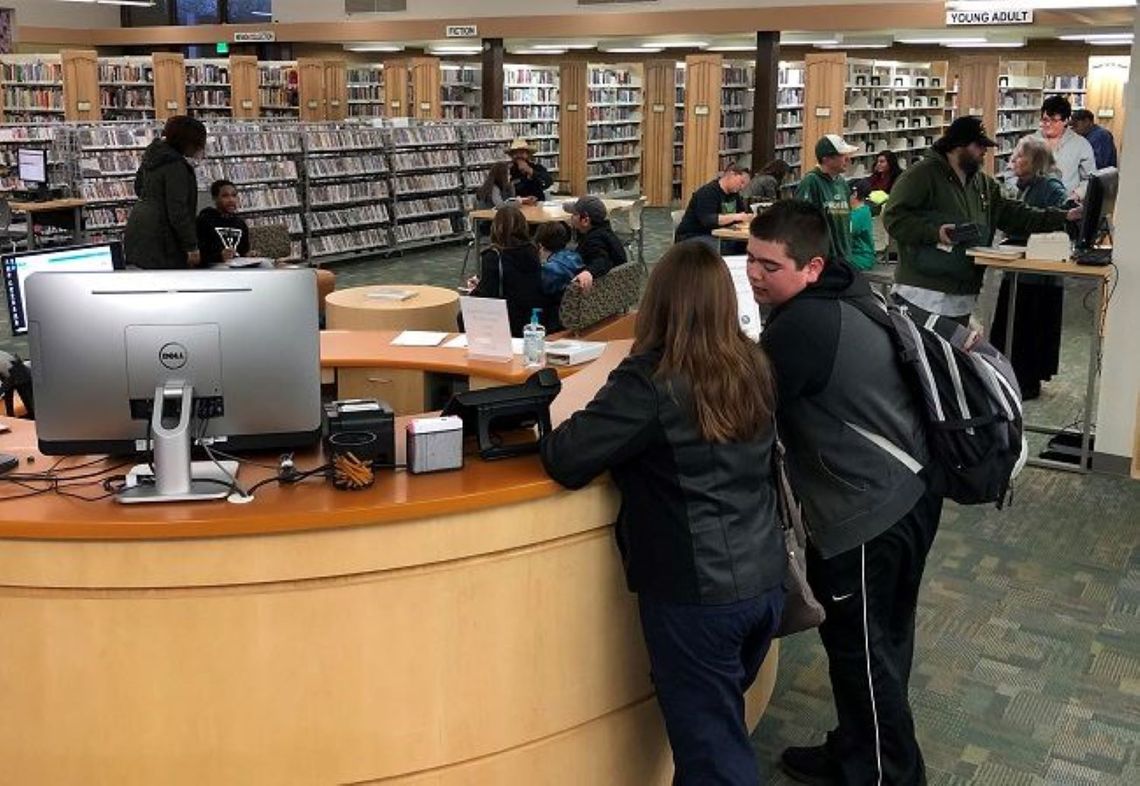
x: 222, y: 219
x: 559, y: 263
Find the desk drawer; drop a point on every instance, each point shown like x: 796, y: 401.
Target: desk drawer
x: 403, y: 389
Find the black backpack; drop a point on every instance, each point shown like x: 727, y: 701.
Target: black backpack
x: 971, y: 405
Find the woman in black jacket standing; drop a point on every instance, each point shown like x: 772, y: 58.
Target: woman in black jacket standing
x: 684, y: 425
x: 161, y: 232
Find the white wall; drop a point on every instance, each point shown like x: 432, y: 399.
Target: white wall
x: 50, y: 13
x: 1120, y: 375
x: 333, y: 10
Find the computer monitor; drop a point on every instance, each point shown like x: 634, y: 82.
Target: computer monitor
x: 97, y: 257
x: 32, y: 164
x: 122, y: 361
x: 1100, y: 200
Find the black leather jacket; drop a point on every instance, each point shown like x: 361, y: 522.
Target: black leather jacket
x: 698, y: 519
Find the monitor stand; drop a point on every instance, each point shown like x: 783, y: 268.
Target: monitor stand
x: 175, y: 478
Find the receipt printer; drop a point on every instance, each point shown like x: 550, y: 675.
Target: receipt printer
x: 362, y: 415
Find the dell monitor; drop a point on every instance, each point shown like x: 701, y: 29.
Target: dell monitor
x: 97, y: 257
x: 1100, y: 200
x: 126, y: 360
x: 33, y: 168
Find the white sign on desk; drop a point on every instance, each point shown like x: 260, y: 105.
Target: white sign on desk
x: 488, y: 330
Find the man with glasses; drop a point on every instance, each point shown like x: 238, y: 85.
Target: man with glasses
x: 1072, y: 152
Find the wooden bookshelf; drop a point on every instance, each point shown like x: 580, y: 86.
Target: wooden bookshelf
x: 461, y: 91
x: 789, y: 139
x: 825, y: 75
x: 169, y: 85
x: 397, y: 88
x: 572, y: 125
x: 1020, y: 91
x: 32, y: 88
x: 426, y: 79
x: 278, y: 89
x: 738, y: 84
x: 703, y: 77
x: 311, y: 88
x: 366, y: 90
x: 977, y: 92
x: 657, y: 133
x: 1107, y: 80
x: 245, y: 77
x: 81, y: 95
x: 530, y: 106
x: 615, y: 108
x: 336, y: 90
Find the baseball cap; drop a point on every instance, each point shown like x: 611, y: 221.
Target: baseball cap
x: 833, y: 145
x: 967, y: 130
x: 590, y: 206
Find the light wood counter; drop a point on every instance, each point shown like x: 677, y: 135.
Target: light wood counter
x: 470, y: 627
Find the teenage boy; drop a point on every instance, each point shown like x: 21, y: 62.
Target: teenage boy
x: 826, y: 188
x: 222, y: 221
x: 855, y: 450
x: 1072, y: 152
x: 718, y: 203
x: 600, y: 248
x: 1099, y: 137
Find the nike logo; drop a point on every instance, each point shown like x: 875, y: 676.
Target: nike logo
x: 837, y: 598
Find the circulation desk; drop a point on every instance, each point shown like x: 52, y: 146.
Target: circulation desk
x: 470, y: 627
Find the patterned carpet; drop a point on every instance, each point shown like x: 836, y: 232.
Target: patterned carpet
x: 1028, y: 662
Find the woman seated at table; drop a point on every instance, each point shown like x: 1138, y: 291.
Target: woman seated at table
x: 684, y: 425
x: 497, y: 188
x: 765, y: 187
x: 1040, y: 298
x: 510, y: 270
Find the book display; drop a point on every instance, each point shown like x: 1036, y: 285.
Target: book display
x: 678, y: 128
x: 1072, y: 86
x: 530, y: 106
x: 366, y: 91
x: 737, y: 89
x: 461, y: 91
x: 348, y: 210
x: 1021, y: 89
x: 484, y: 143
x: 32, y: 88
x: 126, y: 88
x: 277, y: 89
x: 892, y: 105
x: 107, y: 158
x: 790, y: 120
x: 613, y: 130
x: 208, y: 89
x: 427, y: 183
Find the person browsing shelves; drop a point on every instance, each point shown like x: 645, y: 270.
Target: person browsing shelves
x: 716, y: 204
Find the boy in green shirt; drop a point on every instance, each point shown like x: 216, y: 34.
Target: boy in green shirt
x: 862, y: 235
x: 826, y: 188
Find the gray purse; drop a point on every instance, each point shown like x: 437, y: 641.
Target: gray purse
x: 801, y: 610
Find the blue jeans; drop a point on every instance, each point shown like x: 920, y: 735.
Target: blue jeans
x: 703, y: 659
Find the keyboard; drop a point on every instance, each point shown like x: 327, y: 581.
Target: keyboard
x: 1093, y: 256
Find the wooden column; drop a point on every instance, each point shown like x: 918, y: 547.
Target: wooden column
x: 396, y: 92
x: 336, y: 90
x: 493, y: 76
x: 764, y: 98
x: 1105, y: 99
x: 169, y: 84
x: 572, y: 95
x: 825, y: 80
x: 311, y: 88
x: 703, y: 77
x: 426, y: 78
x: 657, y: 133
x: 81, y: 85
x: 978, y: 92
x: 245, y: 99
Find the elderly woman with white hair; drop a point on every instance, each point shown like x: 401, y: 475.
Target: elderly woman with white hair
x: 1040, y: 299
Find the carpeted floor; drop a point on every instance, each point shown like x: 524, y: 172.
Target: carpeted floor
x: 1028, y: 655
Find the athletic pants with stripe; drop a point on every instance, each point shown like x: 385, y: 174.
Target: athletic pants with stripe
x: 870, y: 594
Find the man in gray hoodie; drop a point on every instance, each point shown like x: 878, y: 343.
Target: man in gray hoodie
x: 856, y: 448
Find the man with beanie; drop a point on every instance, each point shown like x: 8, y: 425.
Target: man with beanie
x: 826, y: 188
x: 600, y: 248
x: 944, y: 204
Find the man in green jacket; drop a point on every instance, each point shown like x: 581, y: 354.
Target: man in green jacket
x: 826, y: 188
x: 947, y: 189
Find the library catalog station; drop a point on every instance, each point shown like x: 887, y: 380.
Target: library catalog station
x: 389, y: 392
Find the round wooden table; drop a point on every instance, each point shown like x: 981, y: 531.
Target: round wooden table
x: 357, y: 308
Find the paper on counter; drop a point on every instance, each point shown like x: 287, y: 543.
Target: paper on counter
x: 419, y: 338
x: 460, y: 342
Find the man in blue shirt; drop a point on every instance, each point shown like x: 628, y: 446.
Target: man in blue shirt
x: 1103, y: 145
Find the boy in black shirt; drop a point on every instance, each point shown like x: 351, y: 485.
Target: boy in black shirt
x: 222, y: 234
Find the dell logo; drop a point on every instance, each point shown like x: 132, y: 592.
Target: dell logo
x: 172, y: 355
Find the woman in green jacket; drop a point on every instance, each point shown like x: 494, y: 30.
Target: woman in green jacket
x: 160, y: 232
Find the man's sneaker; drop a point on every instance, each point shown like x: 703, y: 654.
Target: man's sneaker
x: 813, y: 765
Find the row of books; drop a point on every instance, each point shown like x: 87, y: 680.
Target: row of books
x: 125, y: 73
x: 107, y: 191
x: 16, y: 98
x: 533, y: 129
x: 330, y: 245
x: 530, y: 112
x: 613, y: 150
x: 110, y: 164
x: 737, y: 76
x: 531, y: 76
x: 243, y: 172
x: 334, y: 194
x: 487, y: 133
x: 614, y: 96
x: 207, y: 73
x: 411, y: 184
x: 208, y: 98
x: 601, y: 114
x: 607, y: 77
x: 480, y: 156
x: 292, y: 222
x: 531, y: 95
x: 255, y: 142
x: 345, y: 166
x: 277, y: 97
x: 345, y: 139
x: 270, y: 198
x: 424, y: 230
x: 425, y: 159
x: 429, y: 206
x: 126, y: 98
x: 424, y: 135
x: 273, y: 76
x: 630, y: 166
x: 602, y: 133
x: 32, y: 71
x: 348, y: 218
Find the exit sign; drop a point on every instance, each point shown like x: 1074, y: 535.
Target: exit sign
x: 222, y: 47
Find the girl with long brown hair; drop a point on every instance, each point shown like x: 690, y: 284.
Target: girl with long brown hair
x: 510, y: 269
x: 684, y: 425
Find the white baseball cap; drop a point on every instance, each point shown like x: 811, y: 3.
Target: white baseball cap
x: 833, y: 145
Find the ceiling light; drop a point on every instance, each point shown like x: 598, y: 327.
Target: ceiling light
x: 634, y: 50
x: 1110, y: 42
x: 455, y: 50
x: 675, y: 45
x: 534, y: 51
x: 733, y: 48
x: 809, y: 42
x: 1094, y: 37
x: 852, y: 46
x: 1037, y: 5
x: 986, y: 45
x: 962, y: 41
x: 373, y: 48
x: 560, y: 47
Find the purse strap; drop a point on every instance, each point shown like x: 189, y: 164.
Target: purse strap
x: 787, y: 506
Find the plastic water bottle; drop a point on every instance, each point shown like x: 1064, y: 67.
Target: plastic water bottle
x: 534, y: 341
